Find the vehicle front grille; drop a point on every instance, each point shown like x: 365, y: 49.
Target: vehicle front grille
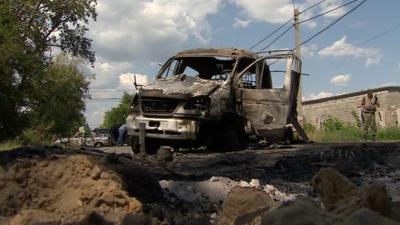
x: 159, y: 106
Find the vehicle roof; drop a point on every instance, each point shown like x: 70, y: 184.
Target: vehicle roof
x: 227, y: 52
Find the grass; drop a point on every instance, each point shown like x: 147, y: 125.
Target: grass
x: 353, y: 135
x: 389, y: 134
x: 337, y: 131
x: 8, y: 145
x: 344, y: 135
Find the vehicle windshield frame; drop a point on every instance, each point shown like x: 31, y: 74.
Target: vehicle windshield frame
x: 169, y: 62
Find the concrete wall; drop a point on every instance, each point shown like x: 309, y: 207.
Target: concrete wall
x: 316, y: 112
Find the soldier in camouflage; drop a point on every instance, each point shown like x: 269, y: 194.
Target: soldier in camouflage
x: 369, y: 105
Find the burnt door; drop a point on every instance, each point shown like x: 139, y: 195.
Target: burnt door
x: 266, y: 108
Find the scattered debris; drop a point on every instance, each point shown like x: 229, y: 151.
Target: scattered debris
x: 56, y: 186
x: 301, y: 211
x: 244, y: 205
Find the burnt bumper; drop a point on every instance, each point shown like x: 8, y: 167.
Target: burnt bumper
x: 163, y: 128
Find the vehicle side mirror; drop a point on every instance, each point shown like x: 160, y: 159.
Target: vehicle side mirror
x: 135, y: 82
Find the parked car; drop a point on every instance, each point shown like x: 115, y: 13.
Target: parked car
x: 88, y: 139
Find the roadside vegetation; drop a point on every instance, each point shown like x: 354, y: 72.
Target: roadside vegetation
x: 118, y: 114
x: 8, y: 145
x: 335, y: 130
x: 42, y: 96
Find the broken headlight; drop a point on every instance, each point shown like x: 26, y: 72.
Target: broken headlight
x: 199, y: 102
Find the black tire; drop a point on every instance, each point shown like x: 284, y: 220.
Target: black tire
x: 233, y: 134
x: 134, y: 143
x: 152, y: 145
x: 226, y: 135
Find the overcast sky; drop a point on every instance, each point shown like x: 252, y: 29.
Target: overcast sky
x: 134, y: 36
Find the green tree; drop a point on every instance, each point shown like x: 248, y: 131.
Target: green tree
x: 63, y: 94
x: 118, y: 114
x: 29, y: 30
x: 60, y: 107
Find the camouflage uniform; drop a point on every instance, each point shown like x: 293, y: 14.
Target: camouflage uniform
x: 369, y: 105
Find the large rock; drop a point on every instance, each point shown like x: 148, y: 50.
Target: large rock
x: 244, y: 206
x: 332, y: 187
x: 165, y: 153
x: 94, y: 219
x: 342, y: 198
x: 136, y: 219
x: 373, y: 197
x: 396, y: 211
x: 368, y: 217
x: 303, y: 211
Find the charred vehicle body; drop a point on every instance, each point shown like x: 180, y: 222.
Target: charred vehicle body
x: 217, y: 98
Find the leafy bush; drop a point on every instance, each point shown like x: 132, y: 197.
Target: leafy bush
x: 309, y: 128
x: 39, y: 135
x: 333, y: 123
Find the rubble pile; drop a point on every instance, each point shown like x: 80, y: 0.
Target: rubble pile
x: 62, y: 190
x: 342, y: 203
x: 65, y: 187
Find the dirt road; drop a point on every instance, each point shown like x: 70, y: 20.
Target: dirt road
x: 289, y: 168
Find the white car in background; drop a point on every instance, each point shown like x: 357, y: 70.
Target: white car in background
x: 87, y: 139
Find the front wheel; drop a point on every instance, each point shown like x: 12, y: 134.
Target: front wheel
x: 226, y: 135
x: 134, y: 143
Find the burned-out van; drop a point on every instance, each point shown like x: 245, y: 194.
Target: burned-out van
x: 217, y: 98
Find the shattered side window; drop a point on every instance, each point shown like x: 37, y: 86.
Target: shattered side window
x: 277, y: 70
x: 248, y: 79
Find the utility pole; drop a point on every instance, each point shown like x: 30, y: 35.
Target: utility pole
x: 297, y: 34
x: 298, y: 121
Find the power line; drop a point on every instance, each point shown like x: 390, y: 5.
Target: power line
x: 329, y: 11
x: 312, y: 6
x: 102, y: 99
x: 284, y: 24
x: 372, y: 38
x: 287, y: 30
x: 379, y: 35
x: 272, y: 33
x: 331, y: 24
x: 277, y: 38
